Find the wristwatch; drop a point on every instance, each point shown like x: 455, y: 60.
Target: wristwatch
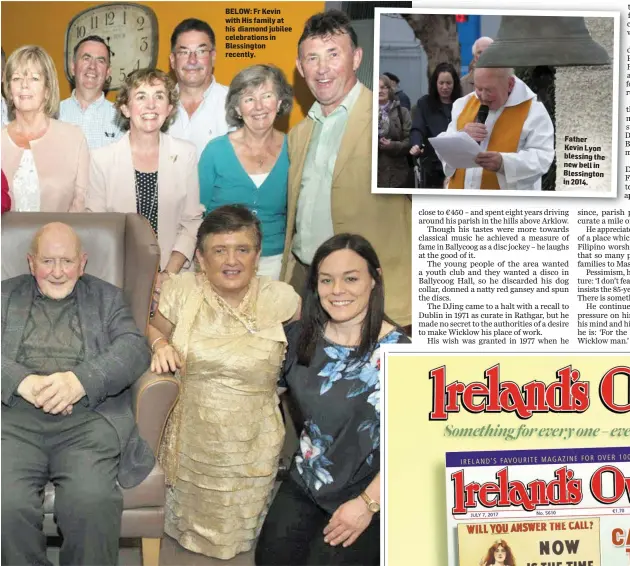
x: 372, y: 505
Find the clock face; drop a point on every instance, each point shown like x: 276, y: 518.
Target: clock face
x: 130, y: 30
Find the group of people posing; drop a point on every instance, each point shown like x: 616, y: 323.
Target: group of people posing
x: 297, y: 209
x: 516, y: 136
x: 174, y: 150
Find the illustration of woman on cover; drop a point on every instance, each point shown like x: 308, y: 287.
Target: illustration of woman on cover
x: 500, y: 554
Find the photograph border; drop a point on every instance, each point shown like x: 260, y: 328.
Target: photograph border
x: 616, y: 70
x: 388, y: 351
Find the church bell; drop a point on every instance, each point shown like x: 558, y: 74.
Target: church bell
x: 532, y: 41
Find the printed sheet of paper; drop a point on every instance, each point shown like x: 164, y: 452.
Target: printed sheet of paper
x: 458, y: 150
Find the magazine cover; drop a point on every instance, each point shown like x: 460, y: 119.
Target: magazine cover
x: 537, y: 507
x: 506, y: 459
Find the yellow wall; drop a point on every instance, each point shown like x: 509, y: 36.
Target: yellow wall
x: 45, y: 23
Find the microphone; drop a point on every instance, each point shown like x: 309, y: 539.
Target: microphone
x: 482, y: 115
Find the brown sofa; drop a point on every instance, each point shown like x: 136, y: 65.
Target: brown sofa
x: 122, y: 250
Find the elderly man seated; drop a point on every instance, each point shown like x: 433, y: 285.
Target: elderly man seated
x: 516, y: 140
x: 70, y: 351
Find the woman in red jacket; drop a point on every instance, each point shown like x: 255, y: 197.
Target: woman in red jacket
x: 6, y: 199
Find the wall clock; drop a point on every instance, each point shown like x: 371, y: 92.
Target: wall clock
x: 130, y: 30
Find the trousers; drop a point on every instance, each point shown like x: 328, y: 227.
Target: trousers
x: 292, y: 535
x: 299, y: 278
x: 79, y: 453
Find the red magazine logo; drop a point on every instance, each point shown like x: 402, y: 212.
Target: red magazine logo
x: 565, y: 395
x: 564, y: 489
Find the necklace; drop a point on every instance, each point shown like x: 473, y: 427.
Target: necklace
x: 260, y: 159
x: 245, y: 313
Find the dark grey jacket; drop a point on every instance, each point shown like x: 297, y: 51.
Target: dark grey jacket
x: 404, y: 100
x: 428, y: 122
x: 116, y: 355
x: 393, y: 168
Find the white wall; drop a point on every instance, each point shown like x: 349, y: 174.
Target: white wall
x: 402, y: 54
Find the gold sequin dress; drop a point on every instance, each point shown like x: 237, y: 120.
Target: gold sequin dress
x: 221, y: 446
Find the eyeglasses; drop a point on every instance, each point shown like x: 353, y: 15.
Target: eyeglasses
x: 200, y: 53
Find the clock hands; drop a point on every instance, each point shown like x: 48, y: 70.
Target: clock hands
x: 110, y: 49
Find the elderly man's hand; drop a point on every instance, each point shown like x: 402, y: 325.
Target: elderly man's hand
x: 30, y: 387
x: 416, y: 150
x: 491, y: 160
x: 62, y: 389
x: 476, y: 131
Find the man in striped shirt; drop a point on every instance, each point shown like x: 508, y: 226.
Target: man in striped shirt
x: 87, y: 107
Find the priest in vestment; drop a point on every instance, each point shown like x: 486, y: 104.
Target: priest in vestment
x: 516, y: 140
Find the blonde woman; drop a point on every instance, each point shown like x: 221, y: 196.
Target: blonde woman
x: 394, y: 125
x: 46, y: 161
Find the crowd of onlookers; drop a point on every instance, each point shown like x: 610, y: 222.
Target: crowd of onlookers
x: 277, y: 262
x: 405, y: 156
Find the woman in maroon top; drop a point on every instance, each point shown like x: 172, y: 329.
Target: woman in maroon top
x: 6, y: 199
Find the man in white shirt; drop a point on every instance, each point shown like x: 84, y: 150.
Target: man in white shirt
x: 87, y: 107
x: 516, y: 140
x: 201, y: 111
x: 330, y: 155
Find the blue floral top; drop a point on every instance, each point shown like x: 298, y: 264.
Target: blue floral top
x: 338, y: 400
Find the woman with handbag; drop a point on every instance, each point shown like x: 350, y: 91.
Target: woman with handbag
x: 394, y: 126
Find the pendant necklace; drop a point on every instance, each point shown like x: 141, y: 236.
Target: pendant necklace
x: 260, y: 160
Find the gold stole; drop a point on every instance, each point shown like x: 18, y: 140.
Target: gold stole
x: 505, y: 136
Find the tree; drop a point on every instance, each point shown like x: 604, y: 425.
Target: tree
x: 438, y: 35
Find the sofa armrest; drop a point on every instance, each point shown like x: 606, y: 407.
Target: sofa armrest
x: 154, y: 397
